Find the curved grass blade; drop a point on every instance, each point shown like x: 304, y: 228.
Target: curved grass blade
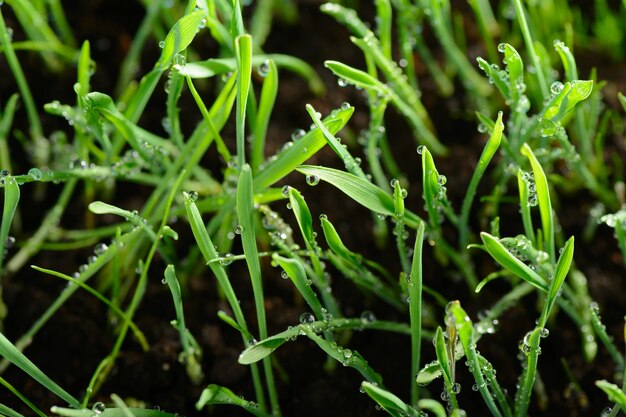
x: 179, y: 37
x: 243, y: 49
x: 360, y: 190
x: 493, y: 143
x: 110, y: 412
x: 510, y: 262
x: 465, y: 330
x: 266, y: 104
x: 615, y: 393
x: 543, y: 200
x: 388, y: 401
x: 13, y: 355
x: 415, y: 308
x: 215, y: 394
x: 297, y: 274
x: 562, y: 268
x: 301, y: 150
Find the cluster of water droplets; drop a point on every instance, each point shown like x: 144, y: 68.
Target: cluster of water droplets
x: 529, y: 180
x: 615, y: 220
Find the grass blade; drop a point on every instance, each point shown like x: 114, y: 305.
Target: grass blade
x: 243, y: 49
x: 215, y: 394
x: 615, y: 393
x: 179, y: 37
x: 543, y: 200
x: 415, y: 309
x: 266, y: 104
x: 297, y: 274
x: 388, y: 401
x: 13, y: 355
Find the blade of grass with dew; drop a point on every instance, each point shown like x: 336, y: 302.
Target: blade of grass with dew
x: 465, y: 330
x: 446, y: 363
x: 13, y: 355
x: 415, y: 308
x: 600, y: 330
x: 245, y: 214
x: 524, y: 206
x: 567, y: 96
x: 141, y: 338
x: 510, y: 262
x: 305, y: 223
x: 532, y: 340
x: 179, y: 37
x: 266, y: 104
x: 243, y: 50
x: 110, y: 412
x: 344, y: 356
x: 11, y: 200
x: 388, y: 401
x: 431, y: 187
x: 433, y: 406
x: 399, y: 194
x: 215, y: 394
x: 220, y: 66
x: 22, y: 398
x: 119, y: 403
x: 493, y: 143
x: 210, y: 255
x: 543, y: 200
x: 298, y: 276
x: 360, y: 190
x: 615, y: 393
x: 192, y: 352
x: 301, y: 150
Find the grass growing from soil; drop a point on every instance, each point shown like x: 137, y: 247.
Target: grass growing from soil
x: 212, y: 197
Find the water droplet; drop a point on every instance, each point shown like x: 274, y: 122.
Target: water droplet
x: 532, y: 200
x: 225, y: 261
x: 307, y: 318
x: 9, y: 242
x: 284, y: 274
x: 98, y: 408
x: 502, y: 47
x: 193, y: 196
x: 100, y: 248
x: 162, y: 44
x: 544, y: 332
x: 82, y: 268
x: 35, y: 174
x: 475, y: 387
x: 368, y: 317
x: 238, y: 229
x: 607, y: 411
x: 342, y: 82
x: 394, y: 182
x: 456, y: 388
x: 323, y: 217
x: 285, y: 191
x: 297, y: 134
x: 4, y: 173
x: 312, y: 180
x: 420, y: 149
x: 264, y: 68
x: 442, y: 180
x: 556, y: 87
x: 445, y: 395
x: 345, y: 105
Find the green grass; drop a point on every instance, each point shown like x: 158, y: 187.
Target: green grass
x: 549, y: 133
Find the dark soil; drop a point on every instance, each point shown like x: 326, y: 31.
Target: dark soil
x: 71, y: 345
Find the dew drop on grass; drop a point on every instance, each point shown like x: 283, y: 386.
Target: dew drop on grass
x: 297, y: 134
x: 9, y: 242
x: 264, y: 68
x: 442, y: 180
x: 306, y: 318
x: 284, y: 274
x: 456, y: 388
x: 35, y: 174
x: 226, y: 260
x: 368, y: 317
x: 82, y: 268
x: 98, y: 408
x: 312, y: 180
x: 345, y: 105
x: 420, y: 149
x: 502, y: 47
x: 4, y: 173
x: 100, y: 248
x: 607, y: 411
x: 342, y: 82
x: 285, y: 191
x: 162, y: 44
x: 238, y: 229
x: 92, y: 259
x: 544, y: 332
x: 193, y: 196
x: 556, y: 87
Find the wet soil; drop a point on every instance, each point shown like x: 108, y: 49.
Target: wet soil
x: 71, y: 345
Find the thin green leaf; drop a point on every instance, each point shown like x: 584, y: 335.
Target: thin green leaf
x: 388, y: 401
x: 510, y: 262
x: 11, y: 199
x: 356, y: 77
x: 9, y: 412
x: 615, y: 393
x: 179, y: 37
x: 543, y: 200
x: 215, y: 394
x: 297, y: 274
x: 360, y: 190
x: 17, y: 358
x: 562, y: 268
x: 301, y: 150
x: 571, y: 94
x: 110, y: 412
x: 303, y: 216
x: 243, y: 49
x: 266, y: 104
